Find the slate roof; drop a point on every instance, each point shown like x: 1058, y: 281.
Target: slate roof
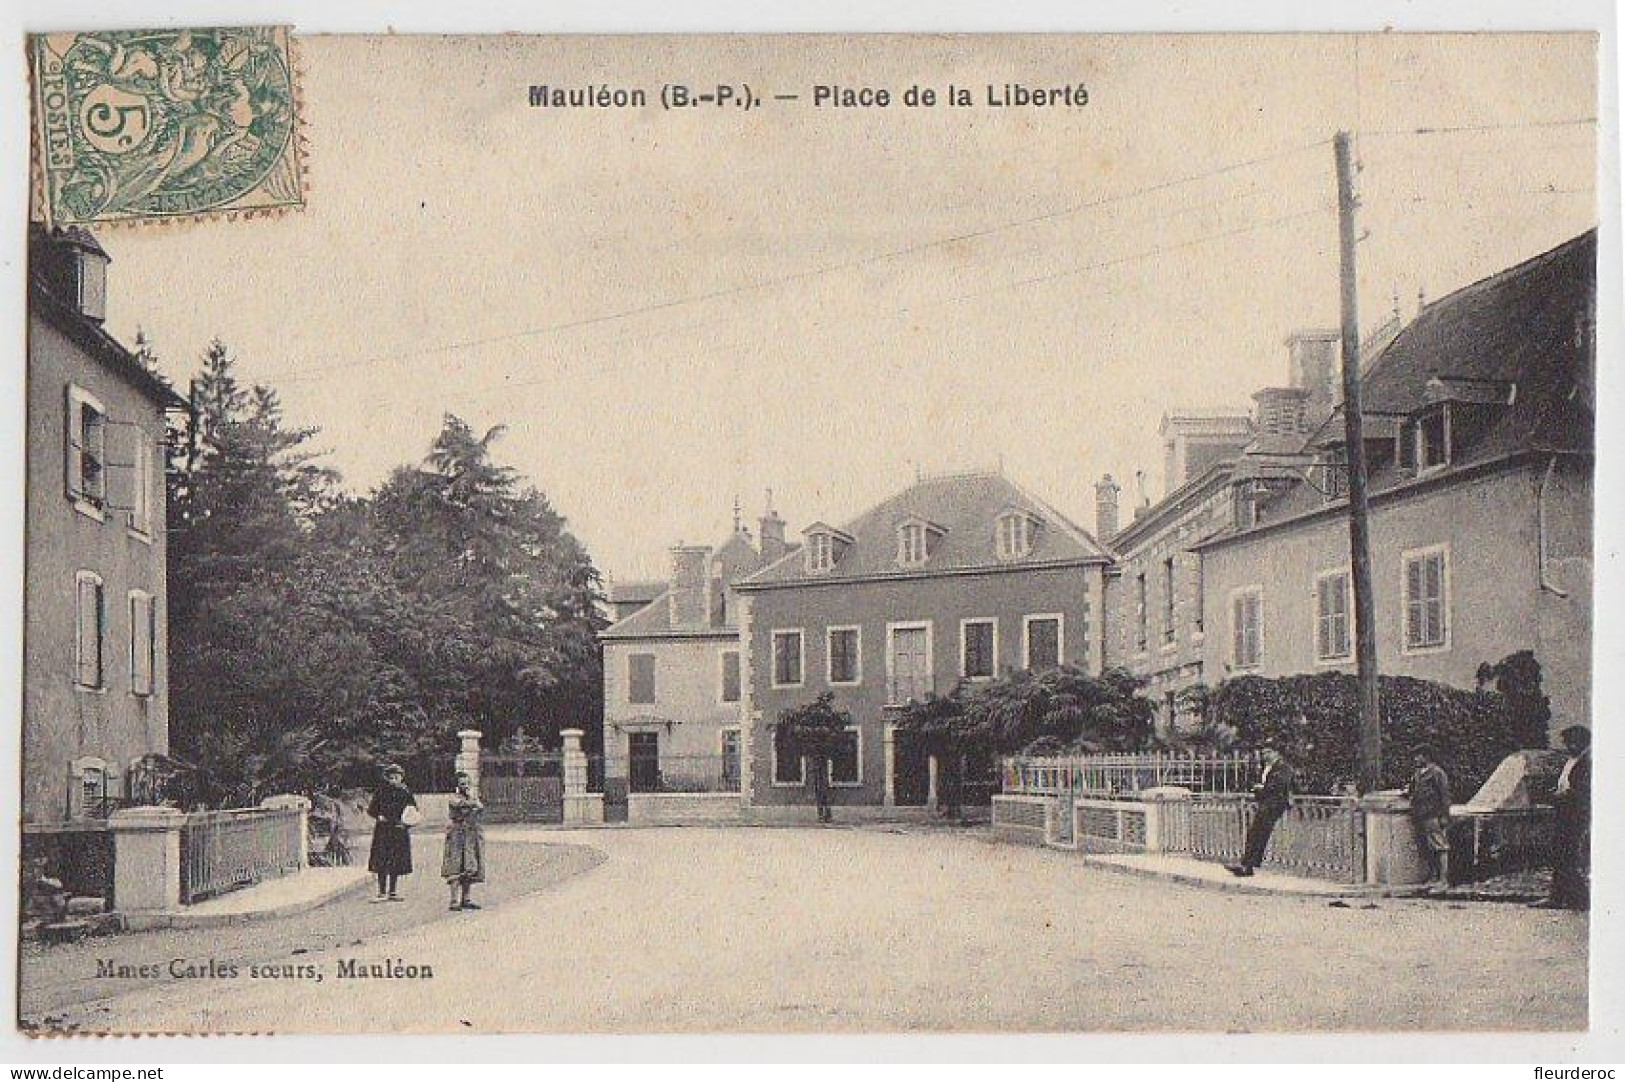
x: 645, y: 590
x: 966, y: 507
x: 739, y: 558
x: 1519, y: 334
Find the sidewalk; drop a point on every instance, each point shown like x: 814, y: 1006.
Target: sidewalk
x: 1207, y: 873
x: 279, y: 897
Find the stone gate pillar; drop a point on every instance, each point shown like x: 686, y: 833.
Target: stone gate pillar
x: 146, y: 858
x: 580, y: 806
x: 468, y: 758
x: 889, y: 746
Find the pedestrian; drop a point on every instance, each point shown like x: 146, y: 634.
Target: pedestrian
x: 1571, y: 826
x: 395, y: 811
x: 463, y: 864
x: 1272, y: 796
x: 1429, y: 794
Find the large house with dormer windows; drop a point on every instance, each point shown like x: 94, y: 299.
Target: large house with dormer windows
x: 961, y: 577
x: 95, y: 706
x: 1479, y: 425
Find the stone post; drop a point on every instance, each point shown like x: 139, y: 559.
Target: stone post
x: 288, y: 800
x: 468, y: 758
x: 889, y: 745
x: 931, y: 783
x: 1392, y: 856
x: 1167, y: 819
x: 580, y: 806
x: 146, y: 858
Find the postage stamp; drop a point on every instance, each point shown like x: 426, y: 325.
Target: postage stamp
x: 149, y: 125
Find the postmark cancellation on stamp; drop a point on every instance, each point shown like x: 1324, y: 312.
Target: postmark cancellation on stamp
x: 152, y: 125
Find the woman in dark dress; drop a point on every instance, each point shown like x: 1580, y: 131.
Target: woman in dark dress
x: 391, y: 838
x: 463, y: 863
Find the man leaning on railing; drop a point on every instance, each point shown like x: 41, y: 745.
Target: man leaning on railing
x: 1273, y: 794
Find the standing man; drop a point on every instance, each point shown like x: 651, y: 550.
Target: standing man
x: 1429, y: 794
x: 1571, y: 827
x: 1273, y: 795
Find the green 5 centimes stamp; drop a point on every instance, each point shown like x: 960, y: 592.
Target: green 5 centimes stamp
x: 152, y: 125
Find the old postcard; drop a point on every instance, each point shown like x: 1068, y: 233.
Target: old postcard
x: 808, y: 534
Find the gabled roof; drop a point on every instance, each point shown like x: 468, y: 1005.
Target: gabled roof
x: 966, y: 507
x: 738, y: 558
x: 89, y: 336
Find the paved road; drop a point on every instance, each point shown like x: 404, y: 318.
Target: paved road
x: 796, y: 930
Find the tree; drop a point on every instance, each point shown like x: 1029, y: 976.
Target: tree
x: 815, y: 731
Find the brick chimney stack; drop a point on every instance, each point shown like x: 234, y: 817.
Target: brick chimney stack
x: 1283, y: 411
x: 1106, y: 491
x: 690, y: 565
x: 771, y: 532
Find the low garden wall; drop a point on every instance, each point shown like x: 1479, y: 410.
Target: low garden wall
x: 656, y: 809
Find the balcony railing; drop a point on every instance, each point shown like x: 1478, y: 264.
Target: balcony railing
x: 1071, y: 775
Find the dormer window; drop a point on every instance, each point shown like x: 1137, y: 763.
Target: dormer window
x: 824, y: 547
x: 1424, y: 440
x: 911, y: 548
x: 1014, y: 534
x: 1334, y: 474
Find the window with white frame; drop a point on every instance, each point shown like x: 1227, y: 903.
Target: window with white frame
x: 86, y: 463
x: 90, y: 621
x: 846, y: 758
x: 143, y: 642
x: 978, y: 649
x: 788, y: 767
x: 1433, y: 439
x: 1332, y: 616
x: 844, y: 656
x: 141, y: 496
x: 820, y: 552
x: 1015, y: 535
x: 1169, y: 600
x: 1247, y: 628
x: 1041, y: 642
x: 1426, y: 596
x: 788, y: 659
x: 730, y: 676
x: 1141, y: 604
x: 911, y: 544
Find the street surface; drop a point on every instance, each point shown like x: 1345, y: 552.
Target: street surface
x: 772, y: 930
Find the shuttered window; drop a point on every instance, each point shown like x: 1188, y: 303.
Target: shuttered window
x: 143, y: 642
x: 90, y: 620
x: 641, y: 679
x: 1043, y: 642
x: 730, y: 676
x: 1426, y: 618
x: 844, y: 661
x: 1332, y: 616
x: 787, y: 659
x: 86, y: 451
x: 1247, y: 629
x: 976, y: 650
x: 141, y: 498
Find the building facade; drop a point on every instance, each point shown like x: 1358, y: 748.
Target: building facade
x: 674, y: 670
x: 1479, y: 420
x: 95, y: 656
x: 965, y: 577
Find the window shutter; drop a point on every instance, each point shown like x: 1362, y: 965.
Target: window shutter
x: 73, y: 447
x: 143, y: 634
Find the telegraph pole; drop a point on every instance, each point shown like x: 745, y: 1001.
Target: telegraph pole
x: 1365, y: 637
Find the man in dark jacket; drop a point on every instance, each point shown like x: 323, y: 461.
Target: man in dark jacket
x: 1273, y: 795
x: 1429, y: 794
x: 1571, y: 826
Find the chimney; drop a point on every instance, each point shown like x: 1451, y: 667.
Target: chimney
x: 1106, y: 508
x: 689, y: 588
x: 771, y: 531
x: 1283, y: 411
x: 1316, y: 365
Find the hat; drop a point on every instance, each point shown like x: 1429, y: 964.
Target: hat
x: 393, y: 768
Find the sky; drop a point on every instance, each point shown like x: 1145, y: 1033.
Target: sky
x: 672, y: 310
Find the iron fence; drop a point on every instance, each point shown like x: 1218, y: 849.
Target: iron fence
x: 1318, y: 836
x: 223, y: 850
x: 1067, y: 775
x: 678, y: 774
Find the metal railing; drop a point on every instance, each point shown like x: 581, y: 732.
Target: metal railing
x: 223, y: 850
x: 679, y: 774
x: 1069, y: 775
x: 1319, y: 836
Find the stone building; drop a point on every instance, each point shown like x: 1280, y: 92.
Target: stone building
x: 959, y: 577
x: 1479, y: 421
x: 95, y: 688
x: 673, y: 672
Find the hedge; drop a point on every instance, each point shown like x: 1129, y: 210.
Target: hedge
x: 1313, y: 719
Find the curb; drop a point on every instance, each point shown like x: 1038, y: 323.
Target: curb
x: 175, y: 919
x: 1332, y: 891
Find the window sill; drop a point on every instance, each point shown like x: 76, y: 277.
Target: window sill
x: 88, y: 508
x: 789, y: 784
x: 1423, y: 651
x: 846, y: 784
x: 786, y: 687
x: 88, y: 690
x: 137, y: 535
x: 845, y: 683
x: 1334, y: 662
